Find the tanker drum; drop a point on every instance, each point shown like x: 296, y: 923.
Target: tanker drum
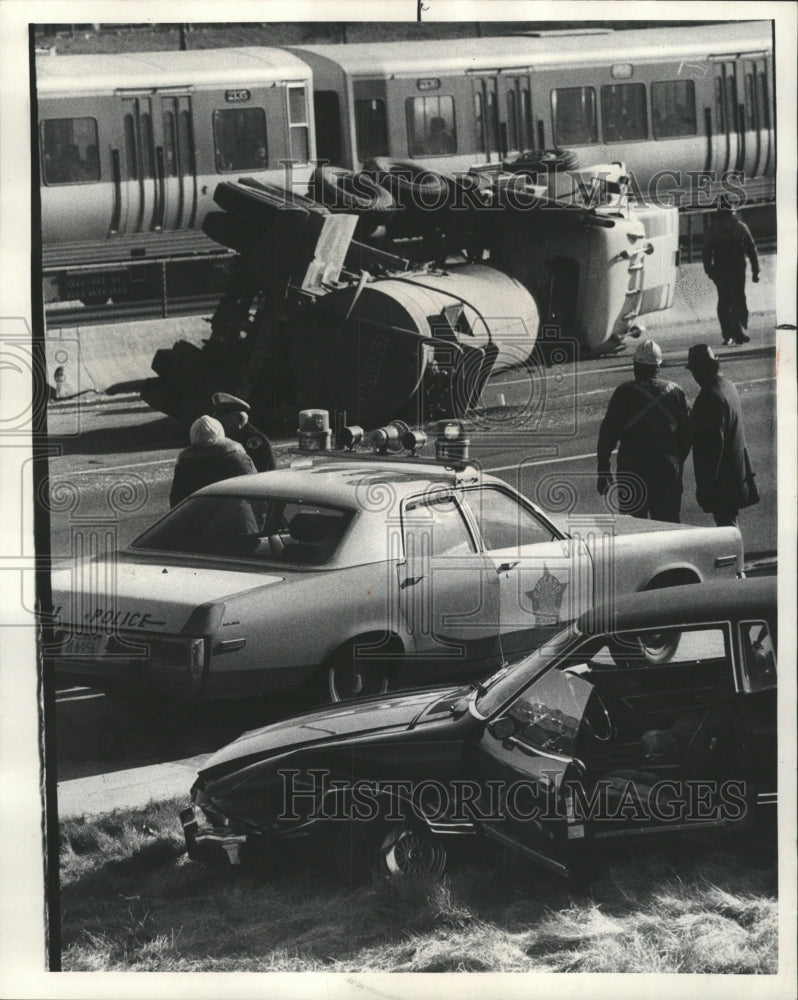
x: 380, y: 345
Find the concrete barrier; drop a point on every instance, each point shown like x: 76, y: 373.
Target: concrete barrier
x: 96, y: 358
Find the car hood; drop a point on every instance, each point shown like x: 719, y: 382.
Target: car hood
x: 154, y: 596
x: 333, y: 723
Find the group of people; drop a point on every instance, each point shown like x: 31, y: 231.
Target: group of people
x: 650, y: 421
x: 223, y: 445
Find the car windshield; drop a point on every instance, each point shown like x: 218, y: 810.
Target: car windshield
x: 550, y: 714
x: 509, y: 680
x: 265, y: 529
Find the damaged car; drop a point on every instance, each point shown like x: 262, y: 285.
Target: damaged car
x: 583, y: 742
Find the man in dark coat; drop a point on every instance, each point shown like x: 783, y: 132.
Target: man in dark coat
x: 649, y: 419
x: 233, y: 414
x: 209, y: 458
x: 726, y: 245
x: 724, y: 481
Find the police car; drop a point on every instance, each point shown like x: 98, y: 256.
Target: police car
x: 355, y: 573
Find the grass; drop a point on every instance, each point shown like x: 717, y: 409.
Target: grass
x: 131, y: 900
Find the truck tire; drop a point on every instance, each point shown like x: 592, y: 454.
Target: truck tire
x: 533, y: 162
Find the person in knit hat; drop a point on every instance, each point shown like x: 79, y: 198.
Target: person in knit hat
x: 649, y: 420
x: 209, y: 458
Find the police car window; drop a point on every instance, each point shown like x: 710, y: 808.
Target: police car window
x: 503, y: 522
x: 240, y: 139
x: 430, y: 126
x: 623, y: 112
x: 673, y: 108
x: 268, y: 530
x: 759, y: 656
x: 435, y: 526
x: 70, y: 152
x: 573, y: 112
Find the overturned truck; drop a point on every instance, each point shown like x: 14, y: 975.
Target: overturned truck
x: 313, y: 317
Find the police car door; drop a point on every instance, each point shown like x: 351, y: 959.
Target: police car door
x: 447, y: 590
x: 544, y: 580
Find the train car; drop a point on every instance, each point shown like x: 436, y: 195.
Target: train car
x: 132, y: 147
x: 656, y: 98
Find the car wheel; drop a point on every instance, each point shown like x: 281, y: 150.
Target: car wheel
x: 350, y: 676
x: 656, y: 647
x: 386, y: 851
x: 409, y: 849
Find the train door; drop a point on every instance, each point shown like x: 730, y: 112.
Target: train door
x: 513, y: 129
x: 486, y: 117
x: 757, y: 159
x: 137, y: 187
x: 156, y: 185
x: 175, y: 163
x: 727, y: 137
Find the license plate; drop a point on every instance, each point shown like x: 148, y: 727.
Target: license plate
x: 84, y: 645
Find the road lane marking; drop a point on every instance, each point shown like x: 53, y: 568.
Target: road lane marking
x: 116, y: 468
x: 540, y: 461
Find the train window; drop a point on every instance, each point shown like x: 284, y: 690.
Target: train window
x: 372, y: 132
x: 70, y: 151
x: 240, y: 139
x: 750, y: 102
x: 623, y: 112
x: 480, y: 123
x: 430, y: 126
x: 720, y: 107
x: 130, y: 148
x: 762, y: 98
x: 148, y: 146
x: 673, y: 108
x: 185, y: 143
x: 298, y: 124
x: 492, y: 121
x: 526, y: 119
x: 574, y: 115
x: 169, y: 144
x: 512, y: 128
x: 731, y: 103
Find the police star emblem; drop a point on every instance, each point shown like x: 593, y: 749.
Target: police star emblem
x: 546, y: 597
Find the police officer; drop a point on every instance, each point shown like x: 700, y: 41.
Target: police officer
x: 726, y: 245
x: 723, y: 477
x: 649, y: 419
x: 233, y: 414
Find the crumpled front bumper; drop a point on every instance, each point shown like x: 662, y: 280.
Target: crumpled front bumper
x: 213, y: 844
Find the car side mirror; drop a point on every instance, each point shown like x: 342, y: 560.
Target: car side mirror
x: 503, y: 728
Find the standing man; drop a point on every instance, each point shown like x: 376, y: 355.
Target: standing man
x: 726, y: 245
x: 649, y: 419
x: 209, y: 458
x: 233, y: 414
x: 723, y: 477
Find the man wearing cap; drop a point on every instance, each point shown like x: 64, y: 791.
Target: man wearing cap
x: 726, y: 245
x: 723, y: 477
x: 649, y: 419
x: 209, y: 458
x: 233, y: 414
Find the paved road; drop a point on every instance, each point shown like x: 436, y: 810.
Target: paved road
x: 116, y: 461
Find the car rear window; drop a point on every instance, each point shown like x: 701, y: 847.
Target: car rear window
x: 259, y: 528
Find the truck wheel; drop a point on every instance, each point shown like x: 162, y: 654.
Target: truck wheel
x: 349, y: 676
